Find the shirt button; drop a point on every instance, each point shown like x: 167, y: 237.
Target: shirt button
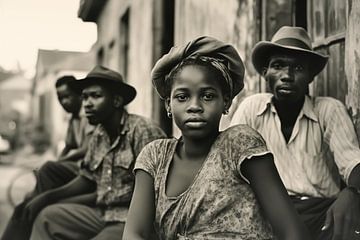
x: 109, y: 171
x: 109, y: 188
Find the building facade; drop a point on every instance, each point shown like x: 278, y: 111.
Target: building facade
x: 132, y: 35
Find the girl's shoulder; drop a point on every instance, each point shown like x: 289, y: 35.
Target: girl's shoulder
x: 238, y: 130
x: 159, y: 148
x: 240, y: 137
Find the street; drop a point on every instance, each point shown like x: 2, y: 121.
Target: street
x: 16, y: 171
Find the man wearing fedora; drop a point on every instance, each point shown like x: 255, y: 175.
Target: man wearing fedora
x: 313, y: 139
x: 75, y: 211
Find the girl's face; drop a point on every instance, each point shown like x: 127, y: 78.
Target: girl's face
x: 196, y: 102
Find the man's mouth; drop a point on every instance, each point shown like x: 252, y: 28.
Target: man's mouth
x: 285, y: 90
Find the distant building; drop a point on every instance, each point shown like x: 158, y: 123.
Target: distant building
x: 45, y: 108
x: 14, y: 105
x: 132, y: 35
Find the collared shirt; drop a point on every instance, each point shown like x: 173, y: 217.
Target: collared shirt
x: 110, y: 165
x: 78, y: 130
x: 322, y: 149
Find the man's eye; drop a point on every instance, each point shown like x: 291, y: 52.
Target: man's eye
x: 276, y: 66
x: 299, y: 68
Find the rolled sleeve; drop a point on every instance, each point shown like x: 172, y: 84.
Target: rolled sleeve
x: 342, y: 139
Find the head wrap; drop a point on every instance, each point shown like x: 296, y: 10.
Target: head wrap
x: 222, y: 56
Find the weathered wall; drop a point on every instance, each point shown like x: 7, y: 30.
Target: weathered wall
x: 233, y: 21
x: 140, y: 49
x: 352, y: 61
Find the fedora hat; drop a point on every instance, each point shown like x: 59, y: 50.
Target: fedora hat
x: 104, y: 76
x: 289, y: 40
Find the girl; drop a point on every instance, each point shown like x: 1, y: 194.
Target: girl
x: 207, y: 184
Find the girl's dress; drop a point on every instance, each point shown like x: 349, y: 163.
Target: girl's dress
x: 219, y: 204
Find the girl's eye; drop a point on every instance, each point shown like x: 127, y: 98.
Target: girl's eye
x: 181, y: 97
x: 208, y: 96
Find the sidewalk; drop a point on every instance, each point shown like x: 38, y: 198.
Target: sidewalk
x: 17, y: 168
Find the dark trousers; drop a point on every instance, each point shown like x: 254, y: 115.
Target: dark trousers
x: 69, y: 221
x: 50, y: 175
x: 312, y: 211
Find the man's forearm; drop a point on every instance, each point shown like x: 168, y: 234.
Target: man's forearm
x: 88, y: 199
x: 74, y: 155
x: 80, y: 185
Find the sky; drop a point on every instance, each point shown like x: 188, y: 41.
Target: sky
x: 27, y: 25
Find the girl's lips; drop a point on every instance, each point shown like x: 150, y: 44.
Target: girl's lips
x: 195, y: 124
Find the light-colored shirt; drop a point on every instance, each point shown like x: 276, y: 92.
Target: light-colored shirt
x: 323, y: 146
x: 219, y: 204
x: 110, y: 164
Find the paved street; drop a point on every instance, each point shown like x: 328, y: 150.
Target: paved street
x: 16, y: 170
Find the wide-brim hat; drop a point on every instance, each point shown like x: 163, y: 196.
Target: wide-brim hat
x: 289, y: 40
x: 107, y: 77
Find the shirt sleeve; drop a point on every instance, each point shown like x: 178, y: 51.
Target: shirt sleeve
x: 70, y: 141
x: 341, y: 137
x: 85, y: 164
x: 145, y: 133
x: 146, y: 160
x: 242, y: 114
x: 245, y: 143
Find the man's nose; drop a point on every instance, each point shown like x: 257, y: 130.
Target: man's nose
x: 87, y: 103
x: 287, y: 74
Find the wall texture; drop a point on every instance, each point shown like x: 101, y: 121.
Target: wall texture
x: 233, y: 21
x: 111, y: 39
x: 352, y: 61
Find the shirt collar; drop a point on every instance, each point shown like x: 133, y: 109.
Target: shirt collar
x: 124, y: 125
x: 307, y: 109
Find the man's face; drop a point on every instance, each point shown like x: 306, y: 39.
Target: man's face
x: 98, y: 104
x: 69, y: 100
x: 288, y: 77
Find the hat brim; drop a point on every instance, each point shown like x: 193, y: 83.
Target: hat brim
x: 263, y: 50
x: 127, y: 92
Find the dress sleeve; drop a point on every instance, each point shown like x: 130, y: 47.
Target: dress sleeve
x: 245, y: 143
x: 147, y: 159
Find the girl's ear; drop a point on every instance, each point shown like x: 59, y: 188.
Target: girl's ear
x: 118, y: 101
x: 227, y: 103
x: 167, y: 104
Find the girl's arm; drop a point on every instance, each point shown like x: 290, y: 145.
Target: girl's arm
x: 139, y: 223
x: 273, y: 198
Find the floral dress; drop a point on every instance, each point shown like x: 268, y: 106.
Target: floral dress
x: 219, y: 204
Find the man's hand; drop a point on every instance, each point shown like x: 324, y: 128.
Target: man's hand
x: 343, y: 217
x: 33, y: 207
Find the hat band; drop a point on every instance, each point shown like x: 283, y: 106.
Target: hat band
x: 293, y: 42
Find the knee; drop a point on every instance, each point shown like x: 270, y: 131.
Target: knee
x: 46, y: 168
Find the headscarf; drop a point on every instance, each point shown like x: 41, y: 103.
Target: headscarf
x: 218, y: 53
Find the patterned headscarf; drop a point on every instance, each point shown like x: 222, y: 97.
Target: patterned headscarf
x: 222, y: 56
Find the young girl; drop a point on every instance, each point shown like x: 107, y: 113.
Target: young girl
x: 207, y: 184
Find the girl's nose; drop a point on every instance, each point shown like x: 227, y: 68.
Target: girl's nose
x: 195, y: 105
